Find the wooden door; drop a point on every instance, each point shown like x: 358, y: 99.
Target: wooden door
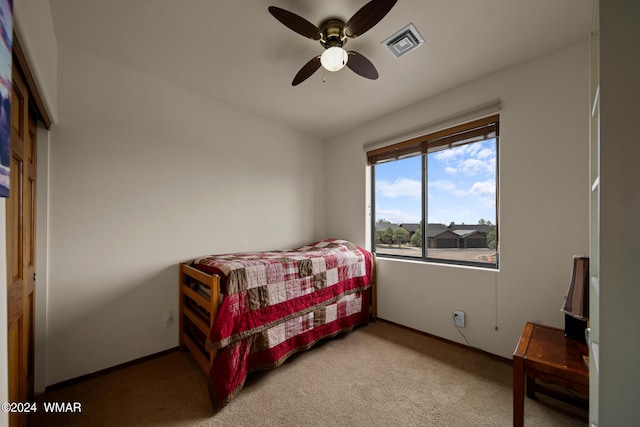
x: 21, y: 209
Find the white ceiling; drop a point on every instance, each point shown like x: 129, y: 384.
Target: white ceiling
x: 237, y: 53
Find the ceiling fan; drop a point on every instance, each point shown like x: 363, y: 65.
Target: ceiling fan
x: 332, y: 34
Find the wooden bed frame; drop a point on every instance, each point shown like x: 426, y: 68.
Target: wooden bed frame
x: 198, y: 310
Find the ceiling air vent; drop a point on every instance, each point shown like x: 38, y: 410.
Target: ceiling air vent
x: 404, y: 41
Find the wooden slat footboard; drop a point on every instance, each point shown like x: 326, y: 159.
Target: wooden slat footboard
x: 198, y: 312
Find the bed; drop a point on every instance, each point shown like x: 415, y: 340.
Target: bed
x: 245, y: 312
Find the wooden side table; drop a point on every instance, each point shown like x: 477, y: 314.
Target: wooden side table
x: 544, y: 352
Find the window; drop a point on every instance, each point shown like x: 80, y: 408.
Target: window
x: 435, y: 197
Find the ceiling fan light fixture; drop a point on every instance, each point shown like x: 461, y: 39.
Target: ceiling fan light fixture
x: 334, y: 58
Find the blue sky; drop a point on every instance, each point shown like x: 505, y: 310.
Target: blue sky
x: 461, y: 186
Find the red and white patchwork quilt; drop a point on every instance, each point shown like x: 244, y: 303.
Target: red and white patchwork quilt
x: 280, y: 302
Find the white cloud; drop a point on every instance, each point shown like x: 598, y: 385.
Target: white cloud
x: 484, y: 192
x: 483, y: 189
x: 486, y: 153
x: 472, y: 167
x: 463, y: 151
x: 470, y: 160
x: 478, y: 189
x: 445, y: 155
x: 401, y: 187
x: 442, y: 185
x: 397, y: 216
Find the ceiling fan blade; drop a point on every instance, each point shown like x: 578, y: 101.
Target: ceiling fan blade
x: 368, y: 16
x: 306, y: 71
x: 295, y: 22
x: 361, y: 65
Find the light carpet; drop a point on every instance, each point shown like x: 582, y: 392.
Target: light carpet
x: 378, y: 375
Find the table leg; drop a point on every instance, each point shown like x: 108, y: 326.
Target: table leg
x: 531, y: 386
x: 518, y: 392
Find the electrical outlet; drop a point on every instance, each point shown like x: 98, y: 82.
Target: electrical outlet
x: 458, y: 318
x: 168, y: 319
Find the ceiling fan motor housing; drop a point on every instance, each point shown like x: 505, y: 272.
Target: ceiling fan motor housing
x: 333, y: 34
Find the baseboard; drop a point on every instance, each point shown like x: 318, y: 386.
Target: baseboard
x: 101, y: 372
x: 457, y: 344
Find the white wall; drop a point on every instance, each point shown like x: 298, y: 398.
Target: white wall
x: 34, y: 26
x: 543, y: 215
x: 145, y: 175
